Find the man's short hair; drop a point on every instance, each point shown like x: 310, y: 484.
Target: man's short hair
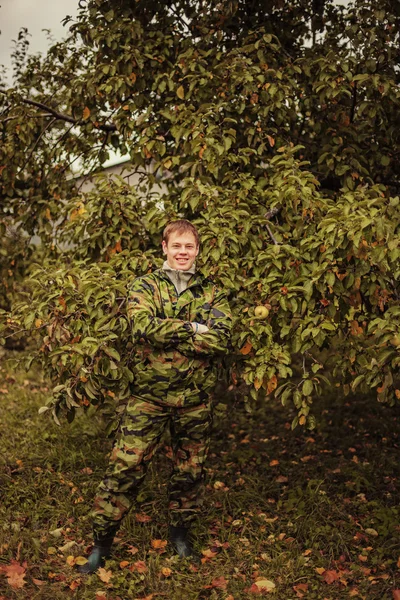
x: 181, y: 226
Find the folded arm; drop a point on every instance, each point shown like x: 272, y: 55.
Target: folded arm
x: 147, y: 326
x: 217, y: 339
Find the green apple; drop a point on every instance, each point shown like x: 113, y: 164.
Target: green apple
x: 261, y: 312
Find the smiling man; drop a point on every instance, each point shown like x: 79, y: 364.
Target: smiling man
x: 181, y: 326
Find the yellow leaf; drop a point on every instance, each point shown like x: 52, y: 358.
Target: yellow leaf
x: 265, y: 584
x: 302, y: 420
x: 38, y: 322
x: 86, y: 113
x: 166, y: 571
x: 80, y: 560
x: 104, y: 575
x: 257, y: 383
x: 180, y: 92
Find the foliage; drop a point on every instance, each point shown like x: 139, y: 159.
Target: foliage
x: 273, y: 128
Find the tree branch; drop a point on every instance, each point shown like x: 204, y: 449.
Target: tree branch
x: 63, y: 117
x: 353, y: 106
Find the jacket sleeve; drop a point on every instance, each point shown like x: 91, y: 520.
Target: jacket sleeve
x: 217, y: 339
x: 146, y: 326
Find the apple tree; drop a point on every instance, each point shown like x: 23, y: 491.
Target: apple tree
x: 273, y: 126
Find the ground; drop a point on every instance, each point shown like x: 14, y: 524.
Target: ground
x: 287, y: 515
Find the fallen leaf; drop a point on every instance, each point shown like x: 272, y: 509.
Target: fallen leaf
x: 274, y: 463
x: 104, y: 575
x: 166, y: 572
x: 15, y: 573
x: 74, y: 584
x: 300, y: 589
x: 142, y: 518
x: 370, y: 531
x: 362, y: 558
x: 208, y: 555
x: 180, y: 92
x: 67, y: 546
x: 331, y: 576
x: 396, y: 594
x: 320, y: 570
x: 158, y: 544
x: 265, y: 584
x: 56, y: 532
x: 220, y: 582
x: 219, y: 485
x: 86, y: 113
x: 281, y: 479
x: 140, y: 566
x: 123, y: 564
x: 133, y: 550
x: 38, y: 582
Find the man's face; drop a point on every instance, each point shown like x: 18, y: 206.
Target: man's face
x: 181, y: 250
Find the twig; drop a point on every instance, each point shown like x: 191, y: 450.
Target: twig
x: 63, y: 117
x: 271, y: 213
x: 271, y: 235
x: 49, y: 124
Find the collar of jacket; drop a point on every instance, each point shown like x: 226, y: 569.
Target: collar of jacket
x: 179, y: 277
x: 197, y: 279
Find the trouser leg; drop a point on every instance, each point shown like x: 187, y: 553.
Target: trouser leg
x: 139, y: 435
x: 190, y: 436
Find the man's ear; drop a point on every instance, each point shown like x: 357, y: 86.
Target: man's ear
x: 164, y: 247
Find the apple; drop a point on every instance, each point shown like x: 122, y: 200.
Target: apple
x: 395, y: 341
x: 261, y: 312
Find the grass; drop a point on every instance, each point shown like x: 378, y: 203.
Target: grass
x: 315, y: 513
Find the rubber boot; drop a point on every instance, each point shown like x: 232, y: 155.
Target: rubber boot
x: 100, y: 552
x: 179, y: 538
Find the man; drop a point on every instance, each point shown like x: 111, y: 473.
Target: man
x: 181, y: 325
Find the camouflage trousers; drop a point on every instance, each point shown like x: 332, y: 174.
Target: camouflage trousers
x: 139, y: 435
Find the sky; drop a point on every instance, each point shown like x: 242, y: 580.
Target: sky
x: 36, y: 15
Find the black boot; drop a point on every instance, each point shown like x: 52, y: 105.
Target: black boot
x: 179, y: 538
x: 100, y: 551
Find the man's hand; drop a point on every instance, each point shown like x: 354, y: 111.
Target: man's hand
x: 198, y: 327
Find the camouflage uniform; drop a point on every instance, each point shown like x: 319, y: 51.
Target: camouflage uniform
x: 175, y: 372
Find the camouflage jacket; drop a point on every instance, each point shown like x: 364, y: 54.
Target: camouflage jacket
x: 173, y: 365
